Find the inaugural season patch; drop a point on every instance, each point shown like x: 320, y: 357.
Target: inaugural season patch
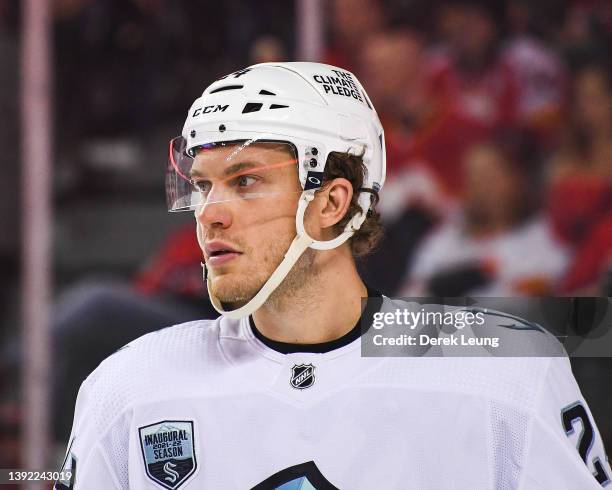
x: 168, y: 452
x: 302, y: 376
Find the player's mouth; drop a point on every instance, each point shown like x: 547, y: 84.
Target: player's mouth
x: 219, y: 253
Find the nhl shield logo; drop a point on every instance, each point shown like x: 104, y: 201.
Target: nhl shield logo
x: 302, y: 376
x: 168, y: 451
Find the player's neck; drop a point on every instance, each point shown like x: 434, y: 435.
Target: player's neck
x: 322, y: 310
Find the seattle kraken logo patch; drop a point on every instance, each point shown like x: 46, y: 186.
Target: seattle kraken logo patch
x: 302, y: 376
x: 168, y: 452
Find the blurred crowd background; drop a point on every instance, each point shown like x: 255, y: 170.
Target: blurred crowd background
x: 498, y: 119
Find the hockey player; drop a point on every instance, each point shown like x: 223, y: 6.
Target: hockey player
x: 281, y: 164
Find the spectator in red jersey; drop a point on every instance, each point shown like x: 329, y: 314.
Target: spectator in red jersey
x: 539, y: 71
x: 580, y: 193
x: 591, y: 269
x: 469, y: 88
x: 498, y: 244
x: 393, y: 63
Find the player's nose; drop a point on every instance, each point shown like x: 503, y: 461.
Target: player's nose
x: 214, y: 214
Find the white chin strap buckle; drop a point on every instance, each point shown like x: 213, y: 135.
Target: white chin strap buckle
x: 300, y: 243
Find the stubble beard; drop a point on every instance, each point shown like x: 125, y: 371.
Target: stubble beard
x: 294, y: 287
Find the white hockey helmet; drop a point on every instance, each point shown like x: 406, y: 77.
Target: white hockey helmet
x: 316, y: 108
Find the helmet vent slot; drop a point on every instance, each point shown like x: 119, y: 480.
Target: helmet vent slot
x: 266, y: 92
x: 278, y: 106
x: 251, y: 107
x: 227, y: 87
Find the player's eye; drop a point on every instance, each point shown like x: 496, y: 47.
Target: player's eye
x: 245, y: 180
x: 202, y: 186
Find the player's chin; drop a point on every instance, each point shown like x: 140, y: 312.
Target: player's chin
x: 232, y: 288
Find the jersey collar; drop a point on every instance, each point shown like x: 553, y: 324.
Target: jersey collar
x: 374, y: 303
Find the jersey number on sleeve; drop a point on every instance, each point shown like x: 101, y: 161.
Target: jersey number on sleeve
x: 570, y: 415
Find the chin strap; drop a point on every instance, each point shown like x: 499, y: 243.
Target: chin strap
x: 300, y: 243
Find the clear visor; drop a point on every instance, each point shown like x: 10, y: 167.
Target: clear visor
x: 229, y: 171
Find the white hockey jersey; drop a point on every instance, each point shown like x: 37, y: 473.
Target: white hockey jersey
x: 212, y: 405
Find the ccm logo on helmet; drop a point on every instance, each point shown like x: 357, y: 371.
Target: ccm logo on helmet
x: 209, y: 108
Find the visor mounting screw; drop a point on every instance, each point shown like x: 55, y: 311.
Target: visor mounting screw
x: 314, y: 151
x: 221, y: 128
x: 193, y: 133
x: 313, y: 162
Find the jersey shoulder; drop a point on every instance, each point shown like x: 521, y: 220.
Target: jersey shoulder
x: 517, y: 336
x: 511, y: 371
x: 145, y: 368
x: 182, y: 339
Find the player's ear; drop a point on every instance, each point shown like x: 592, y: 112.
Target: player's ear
x: 330, y: 205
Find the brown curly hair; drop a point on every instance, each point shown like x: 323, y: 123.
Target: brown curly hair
x: 352, y: 168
